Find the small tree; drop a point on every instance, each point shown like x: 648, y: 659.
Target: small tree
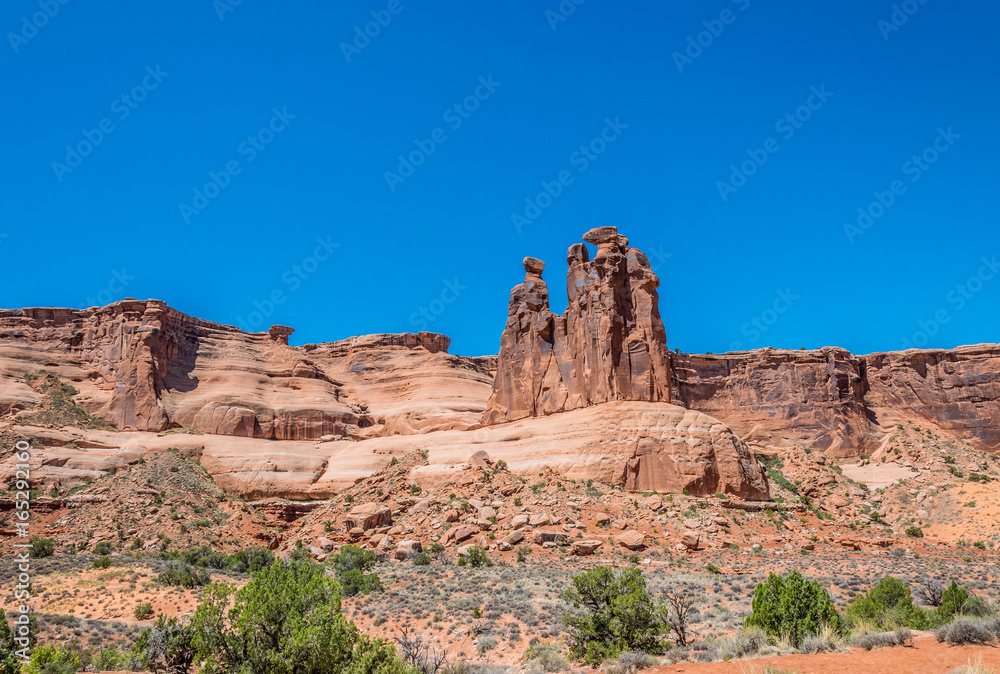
x: 621, y: 616
x: 286, y: 620
x: 957, y: 601
x: 793, y: 606
x: 681, y: 610
x: 351, y: 565
x: 931, y: 593
x: 887, y: 605
x: 9, y: 662
x: 167, y: 647
x: 42, y: 547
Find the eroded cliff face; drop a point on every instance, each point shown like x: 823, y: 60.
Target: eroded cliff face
x: 609, y: 344
x: 140, y: 365
x: 842, y: 404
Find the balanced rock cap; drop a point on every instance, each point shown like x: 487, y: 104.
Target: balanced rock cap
x: 601, y: 235
x: 533, y: 265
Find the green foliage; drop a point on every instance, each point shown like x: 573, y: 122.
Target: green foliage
x: 286, y: 620
x: 956, y: 601
x: 620, y: 616
x: 422, y: 559
x: 167, y: 646
x: 102, y: 548
x: 773, y: 465
x: 248, y: 560
x: 143, y: 611
x: 351, y: 564
x: 914, y: 532
x: 50, y: 659
x: 887, y: 606
x: 9, y: 662
x: 102, y: 562
x: 794, y: 607
x: 42, y: 547
x: 183, y: 575
x: 475, y: 557
x: 115, y: 659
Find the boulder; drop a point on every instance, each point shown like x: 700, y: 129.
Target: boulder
x: 407, y: 549
x: 368, y: 516
x: 518, y: 521
x: 541, y: 536
x: 480, y: 460
x: 587, y: 547
x: 459, y: 533
x: 451, y: 515
x: 633, y: 540
x: 538, y: 520
x: 690, y: 540
x: 325, y: 543
x: 514, y: 537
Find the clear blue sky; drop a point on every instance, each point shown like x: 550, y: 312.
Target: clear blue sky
x: 310, y: 118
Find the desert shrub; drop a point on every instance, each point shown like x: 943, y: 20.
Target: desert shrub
x: 957, y: 601
x: 487, y: 643
x: 286, y: 620
x: 115, y: 659
x: 183, y: 575
x: 545, y: 657
x: 620, y: 616
x: 51, y: 659
x: 898, y: 637
x: 914, y: 532
x: 351, y: 564
x: 886, y: 606
x: 794, y: 607
x: 627, y: 663
x: 167, y: 646
x: 746, y: 643
x: 42, y: 547
x: 9, y: 662
x: 826, y: 639
x: 964, y: 630
x: 144, y: 611
x: 102, y: 548
x: 102, y: 562
x: 475, y: 557
x: 422, y: 559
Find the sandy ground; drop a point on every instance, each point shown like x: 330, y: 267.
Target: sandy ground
x: 926, y: 656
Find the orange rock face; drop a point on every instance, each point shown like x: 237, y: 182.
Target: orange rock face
x: 609, y: 344
x: 141, y: 365
x: 836, y: 402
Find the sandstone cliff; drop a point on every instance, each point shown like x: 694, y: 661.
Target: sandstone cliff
x: 140, y: 365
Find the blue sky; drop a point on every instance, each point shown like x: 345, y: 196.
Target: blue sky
x: 225, y: 155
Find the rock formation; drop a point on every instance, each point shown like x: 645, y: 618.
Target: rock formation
x: 609, y: 344
x: 140, y: 365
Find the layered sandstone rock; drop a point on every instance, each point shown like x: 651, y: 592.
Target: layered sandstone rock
x: 843, y: 404
x: 141, y: 365
x: 609, y: 344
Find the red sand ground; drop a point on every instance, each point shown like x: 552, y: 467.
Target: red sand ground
x: 927, y: 656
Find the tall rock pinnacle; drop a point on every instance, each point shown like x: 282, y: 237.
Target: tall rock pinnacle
x: 609, y: 344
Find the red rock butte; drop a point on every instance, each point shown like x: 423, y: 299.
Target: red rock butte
x: 594, y: 393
